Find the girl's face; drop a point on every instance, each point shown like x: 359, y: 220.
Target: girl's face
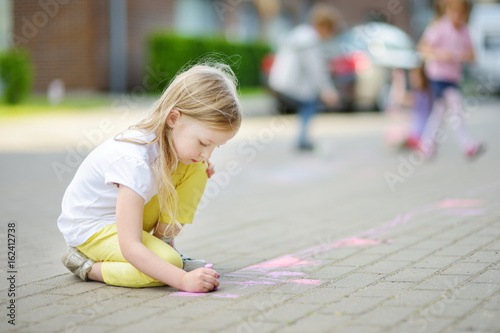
x: 192, y: 141
x: 457, y: 15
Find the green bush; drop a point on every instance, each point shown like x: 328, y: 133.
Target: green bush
x: 168, y: 53
x: 16, y: 75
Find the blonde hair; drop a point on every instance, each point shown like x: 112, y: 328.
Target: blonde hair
x: 326, y: 16
x: 205, y: 94
x: 440, y: 6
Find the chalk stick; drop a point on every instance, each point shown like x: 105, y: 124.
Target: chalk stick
x: 211, y: 266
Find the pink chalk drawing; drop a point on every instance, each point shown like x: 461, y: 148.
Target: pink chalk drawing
x: 285, y: 273
x: 462, y: 207
x: 397, y: 221
x: 346, y: 242
x: 266, y: 281
x: 187, y: 294
x: 355, y: 241
x: 245, y: 284
x: 459, y: 203
x: 285, y: 261
x: 306, y: 281
x: 281, y: 270
x: 466, y: 212
x: 271, y: 272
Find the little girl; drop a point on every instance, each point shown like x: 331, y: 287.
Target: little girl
x: 446, y: 45
x: 133, y: 193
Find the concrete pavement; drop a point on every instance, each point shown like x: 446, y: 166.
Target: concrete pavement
x: 355, y: 237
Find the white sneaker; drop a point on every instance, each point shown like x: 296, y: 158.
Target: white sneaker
x: 188, y: 264
x: 77, y: 263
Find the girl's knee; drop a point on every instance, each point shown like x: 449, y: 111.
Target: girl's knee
x: 453, y: 96
x: 162, y: 249
x: 171, y: 256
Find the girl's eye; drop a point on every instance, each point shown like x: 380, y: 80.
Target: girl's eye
x: 204, y: 145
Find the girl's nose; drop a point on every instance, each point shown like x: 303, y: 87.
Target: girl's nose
x: 205, y: 154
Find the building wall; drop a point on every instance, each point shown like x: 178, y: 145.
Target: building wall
x: 396, y: 12
x: 64, y: 39
x: 99, y: 45
x: 70, y: 39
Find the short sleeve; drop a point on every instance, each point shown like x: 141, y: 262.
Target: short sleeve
x: 431, y: 34
x: 134, y: 173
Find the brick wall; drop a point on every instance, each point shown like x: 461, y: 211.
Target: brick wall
x: 396, y: 12
x: 69, y: 39
x: 99, y: 47
x: 65, y: 38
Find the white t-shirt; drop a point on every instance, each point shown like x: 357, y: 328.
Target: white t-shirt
x: 89, y: 202
x: 300, y: 69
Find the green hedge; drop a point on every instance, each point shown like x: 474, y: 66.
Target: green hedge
x: 168, y: 53
x: 16, y: 75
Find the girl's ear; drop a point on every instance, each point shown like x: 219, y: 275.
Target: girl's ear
x: 173, y: 118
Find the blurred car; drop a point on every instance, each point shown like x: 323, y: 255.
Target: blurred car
x: 484, y: 27
x: 359, y: 63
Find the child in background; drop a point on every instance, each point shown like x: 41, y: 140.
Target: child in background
x: 446, y: 45
x: 420, y: 99
x: 133, y: 193
x: 299, y: 73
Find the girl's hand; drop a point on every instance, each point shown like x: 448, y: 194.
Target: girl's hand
x: 200, y: 280
x: 210, y: 169
x: 330, y: 97
x: 444, y: 55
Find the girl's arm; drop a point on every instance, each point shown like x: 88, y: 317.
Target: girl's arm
x: 432, y: 53
x: 428, y: 45
x: 469, y: 55
x: 425, y: 49
x: 129, y: 215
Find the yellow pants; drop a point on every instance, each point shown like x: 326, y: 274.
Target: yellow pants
x: 103, y: 246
